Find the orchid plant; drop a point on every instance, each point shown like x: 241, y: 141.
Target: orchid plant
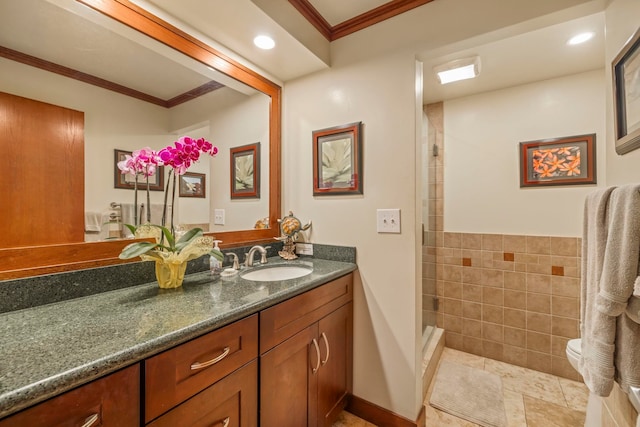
x: 179, y: 157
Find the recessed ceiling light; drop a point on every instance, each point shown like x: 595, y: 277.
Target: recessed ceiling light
x: 580, y: 38
x: 264, y: 42
x: 459, y: 69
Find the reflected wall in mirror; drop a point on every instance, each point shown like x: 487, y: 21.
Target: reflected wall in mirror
x: 138, y: 90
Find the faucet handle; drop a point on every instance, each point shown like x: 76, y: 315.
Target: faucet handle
x: 263, y: 258
x: 236, y: 265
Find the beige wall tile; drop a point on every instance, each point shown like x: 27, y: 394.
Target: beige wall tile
x: 539, y: 361
x: 539, y: 268
x: 492, y: 242
x: 565, y: 261
x: 567, y: 246
x: 490, y: 277
x: 471, y: 241
x: 565, y: 307
x: 565, y: 286
x: 453, y: 290
x: 487, y: 259
x: 492, y: 332
x: 452, y: 307
x: 526, y: 258
x: 452, y: 340
x: 472, y: 328
x: 538, y: 342
x: 472, y: 310
x: 452, y: 273
x: 515, y: 280
x: 472, y: 345
x: 515, y: 299
x: 514, y: 243
x: 504, y: 265
x: 559, y: 346
x: 515, y: 337
x: 520, y: 266
x: 452, y: 240
x: 544, y: 259
x: 539, y: 245
x: 561, y: 367
x: 538, y: 322
x: 453, y: 323
x: 471, y: 292
x: 565, y: 327
x: 515, y: 318
x: 492, y: 314
x: 540, y: 303
x: 493, y: 296
x: 492, y: 349
x: 572, y: 272
x: 514, y: 355
x: 539, y: 283
x: 471, y: 275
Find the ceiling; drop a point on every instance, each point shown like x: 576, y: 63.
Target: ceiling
x: 518, y: 42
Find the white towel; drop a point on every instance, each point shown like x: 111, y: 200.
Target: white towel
x: 127, y: 215
x: 156, y: 213
x: 92, y: 222
x: 596, y: 329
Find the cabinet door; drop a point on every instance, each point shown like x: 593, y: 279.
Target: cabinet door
x: 110, y: 401
x: 287, y: 382
x: 231, y: 402
x: 334, y: 375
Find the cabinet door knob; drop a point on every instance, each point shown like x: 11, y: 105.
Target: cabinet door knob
x: 315, y: 343
x: 90, y: 421
x: 199, y: 365
x: 326, y: 344
x: 225, y: 422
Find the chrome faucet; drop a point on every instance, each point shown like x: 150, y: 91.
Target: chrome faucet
x: 248, y: 262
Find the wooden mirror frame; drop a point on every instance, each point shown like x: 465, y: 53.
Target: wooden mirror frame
x: 40, y: 260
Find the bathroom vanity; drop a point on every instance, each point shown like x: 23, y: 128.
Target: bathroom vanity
x: 230, y: 352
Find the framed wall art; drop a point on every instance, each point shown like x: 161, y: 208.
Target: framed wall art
x: 337, y: 160
x: 193, y: 185
x: 626, y: 96
x: 245, y: 171
x: 120, y: 180
x: 561, y: 161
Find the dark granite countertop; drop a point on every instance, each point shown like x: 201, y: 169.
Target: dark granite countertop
x: 52, y: 348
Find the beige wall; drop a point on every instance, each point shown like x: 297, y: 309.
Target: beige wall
x: 482, y: 191
x: 381, y: 94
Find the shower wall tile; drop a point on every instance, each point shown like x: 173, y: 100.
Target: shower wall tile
x: 512, y: 298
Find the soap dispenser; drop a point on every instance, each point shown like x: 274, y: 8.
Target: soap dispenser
x: 215, y: 259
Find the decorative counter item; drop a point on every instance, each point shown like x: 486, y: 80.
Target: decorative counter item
x: 170, y: 252
x: 290, y: 226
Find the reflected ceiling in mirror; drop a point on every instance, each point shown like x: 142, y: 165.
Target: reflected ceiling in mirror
x: 119, y: 119
x: 134, y: 92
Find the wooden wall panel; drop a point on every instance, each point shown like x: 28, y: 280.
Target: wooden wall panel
x: 40, y: 207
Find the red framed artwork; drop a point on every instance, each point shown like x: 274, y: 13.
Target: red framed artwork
x: 560, y: 161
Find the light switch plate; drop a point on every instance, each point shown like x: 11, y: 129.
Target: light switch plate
x: 218, y: 216
x: 388, y: 221
x: 304, y: 248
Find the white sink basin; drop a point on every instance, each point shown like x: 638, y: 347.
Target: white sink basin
x: 274, y: 274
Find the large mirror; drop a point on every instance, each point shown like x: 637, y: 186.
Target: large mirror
x: 140, y: 82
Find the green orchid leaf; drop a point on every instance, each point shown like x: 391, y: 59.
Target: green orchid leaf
x: 136, y: 249
x: 131, y: 228
x: 171, y: 241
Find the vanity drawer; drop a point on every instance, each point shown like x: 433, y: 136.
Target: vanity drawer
x: 178, y: 374
x: 231, y: 402
x: 113, y: 400
x: 290, y: 317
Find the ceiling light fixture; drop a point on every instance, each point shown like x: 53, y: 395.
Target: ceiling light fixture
x: 264, y: 42
x: 580, y: 38
x: 459, y: 69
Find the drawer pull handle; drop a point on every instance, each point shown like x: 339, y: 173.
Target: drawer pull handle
x: 315, y: 343
x: 90, y: 421
x: 213, y: 361
x: 226, y: 421
x: 326, y: 343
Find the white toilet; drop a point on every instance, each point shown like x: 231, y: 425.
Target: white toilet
x: 574, y: 351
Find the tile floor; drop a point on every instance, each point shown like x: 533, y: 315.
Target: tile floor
x: 531, y: 398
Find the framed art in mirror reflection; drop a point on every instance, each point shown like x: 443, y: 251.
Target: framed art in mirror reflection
x: 127, y: 181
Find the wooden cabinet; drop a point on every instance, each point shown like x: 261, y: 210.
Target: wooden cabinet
x: 305, y: 374
x: 177, y: 374
x: 113, y: 400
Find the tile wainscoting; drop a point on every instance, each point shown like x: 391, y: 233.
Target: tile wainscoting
x: 512, y: 298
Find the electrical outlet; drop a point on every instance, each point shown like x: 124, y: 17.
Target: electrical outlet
x: 218, y: 216
x: 388, y: 221
x: 304, y: 248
